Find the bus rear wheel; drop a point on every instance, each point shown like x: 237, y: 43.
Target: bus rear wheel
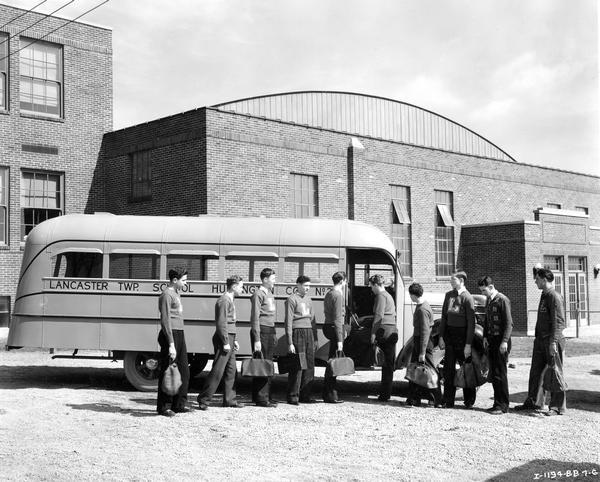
x: 141, y: 370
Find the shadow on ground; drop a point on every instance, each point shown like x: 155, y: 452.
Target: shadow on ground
x: 111, y: 408
x: 35, y: 376
x: 544, y: 469
x: 577, y: 399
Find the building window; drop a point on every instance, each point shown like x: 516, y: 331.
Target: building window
x: 401, y: 226
x: 554, y: 205
x: 444, y: 233
x: 3, y: 205
x: 141, y: 176
x: 3, y: 71
x: 555, y: 264
x: 41, y: 198
x: 41, y: 72
x: 582, y: 209
x: 305, y: 196
x: 4, y: 310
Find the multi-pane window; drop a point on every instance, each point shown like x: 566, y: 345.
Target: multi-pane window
x: 401, y: 226
x: 305, y: 197
x: 3, y: 205
x: 4, y: 310
x: 576, y: 263
x: 444, y: 233
x: 141, y: 176
x: 41, y: 71
x: 134, y: 266
x: 41, y: 198
x: 582, y: 209
x: 3, y: 71
x: 555, y: 264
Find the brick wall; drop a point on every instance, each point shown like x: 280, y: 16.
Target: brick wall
x: 69, y: 145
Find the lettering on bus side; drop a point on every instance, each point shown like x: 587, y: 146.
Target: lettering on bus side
x: 78, y: 285
x: 158, y: 287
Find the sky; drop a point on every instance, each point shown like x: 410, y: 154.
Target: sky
x: 522, y: 73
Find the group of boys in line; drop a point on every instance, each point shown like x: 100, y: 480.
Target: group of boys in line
x: 456, y: 334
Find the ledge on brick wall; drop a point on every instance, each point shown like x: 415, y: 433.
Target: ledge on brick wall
x: 562, y: 212
x: 500, y: 223
x: 41, y: 117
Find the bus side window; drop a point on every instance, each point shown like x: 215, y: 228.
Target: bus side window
x: 77, y: 265
x: 248, y: 268
x: 196, y: 266
x: 134, y: 266
x: 317, y: 271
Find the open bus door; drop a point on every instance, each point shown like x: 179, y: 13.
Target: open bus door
x: 361, y: 265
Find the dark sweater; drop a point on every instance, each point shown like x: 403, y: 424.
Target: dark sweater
x: 171, y: 312
x: 333, y: 306
x: 459, y: 312
x: 225, y: 318
x: 551, y: 317
x: 384, y: 311
x: 262, y: 312
x: 422, y: 324
x: 498, y: 318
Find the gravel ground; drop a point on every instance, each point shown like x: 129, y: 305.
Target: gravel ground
x: 66, y: 420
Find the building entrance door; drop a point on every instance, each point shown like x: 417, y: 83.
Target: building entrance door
x: 577, y: 292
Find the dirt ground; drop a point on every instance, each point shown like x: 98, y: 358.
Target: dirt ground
x: 66, y: 420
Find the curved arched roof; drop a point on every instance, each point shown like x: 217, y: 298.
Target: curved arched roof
x: 369, y: 116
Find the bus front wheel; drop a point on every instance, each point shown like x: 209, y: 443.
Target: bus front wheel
x: 141, y: 370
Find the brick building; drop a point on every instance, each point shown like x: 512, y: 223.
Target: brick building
x: 55, y: 105
x: 448, y: 197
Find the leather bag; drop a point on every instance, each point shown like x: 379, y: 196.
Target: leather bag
x: 554, y: 380
x: 378, y: 356
x: 470, y: 375
x: 257, y: 366
x: 172, y: 380
x: 340, y: 365
x: 422, y: 374
x: 291, y: 362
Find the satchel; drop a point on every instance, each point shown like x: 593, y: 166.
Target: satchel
x: 378, y: 357
x: 171, y: 380
x: 554, y: 379
x: 340, y: 365
x: 291, y: 362
x: 469, y: 375
x: 422, y: 375
x: 257, y: 367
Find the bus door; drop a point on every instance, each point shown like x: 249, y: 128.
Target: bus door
x: 361, y: 265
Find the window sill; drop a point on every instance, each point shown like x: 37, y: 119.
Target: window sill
x: 4, y: 112
x: 27, y: 115
x: 4, y: 247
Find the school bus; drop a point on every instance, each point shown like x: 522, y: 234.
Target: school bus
x: 91, y: 282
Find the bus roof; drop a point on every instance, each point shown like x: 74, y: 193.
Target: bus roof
x: 316, y: 232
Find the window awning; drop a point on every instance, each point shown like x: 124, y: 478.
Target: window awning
x: 401, y: 212
x: 444, y: 211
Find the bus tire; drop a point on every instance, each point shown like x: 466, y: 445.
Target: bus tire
x: 141, y: 370
x: 198, y: 362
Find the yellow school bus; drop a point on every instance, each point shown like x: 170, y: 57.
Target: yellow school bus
x: 91, y: 282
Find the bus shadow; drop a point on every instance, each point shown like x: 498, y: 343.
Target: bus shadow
x: 109, y: 408
x: 36, y: 376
